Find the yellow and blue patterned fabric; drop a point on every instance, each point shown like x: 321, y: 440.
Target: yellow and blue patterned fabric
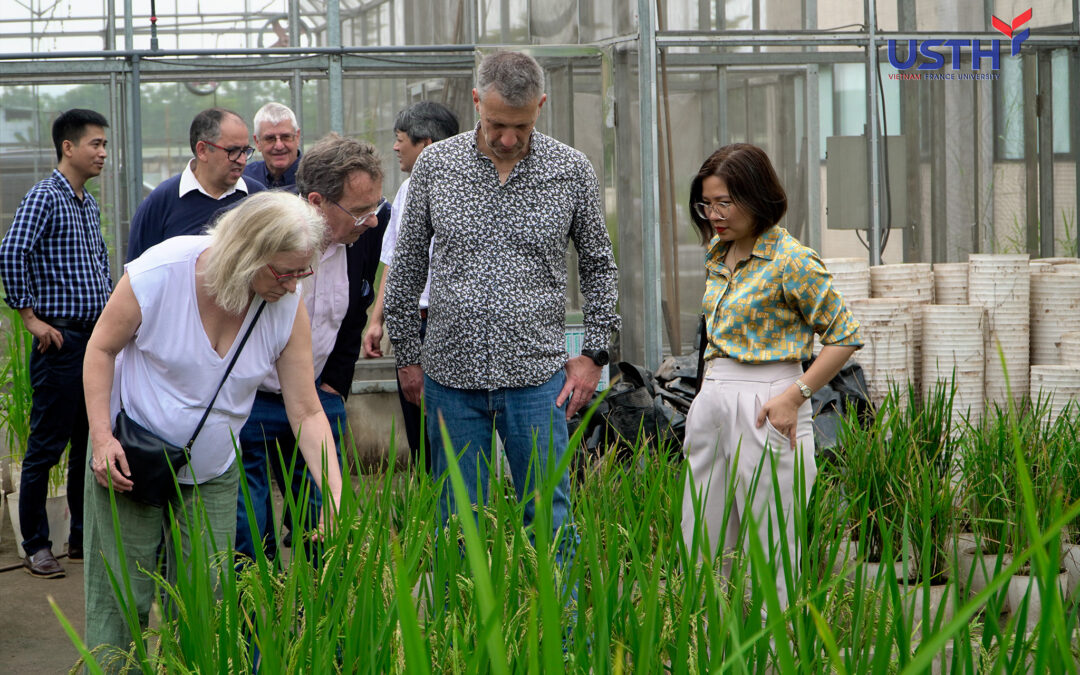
x: 770, y: 306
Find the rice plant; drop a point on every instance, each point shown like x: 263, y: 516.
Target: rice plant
x: 392, y: 591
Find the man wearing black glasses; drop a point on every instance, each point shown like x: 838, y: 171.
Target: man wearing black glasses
x: 342, y: 177
x: 212, y: 181
x: 277, y: 138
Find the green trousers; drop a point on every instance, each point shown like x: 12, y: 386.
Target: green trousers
x: 141, y: 530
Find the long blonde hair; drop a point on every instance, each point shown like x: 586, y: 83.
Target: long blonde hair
x: 248, y: 236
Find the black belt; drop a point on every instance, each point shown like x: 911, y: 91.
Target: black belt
x: 70, y: 324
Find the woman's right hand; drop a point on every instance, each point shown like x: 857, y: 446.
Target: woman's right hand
x: 109, y: 458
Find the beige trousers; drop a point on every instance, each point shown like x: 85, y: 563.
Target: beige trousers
x: 730, y: 463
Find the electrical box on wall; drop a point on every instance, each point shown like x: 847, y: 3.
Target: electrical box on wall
x: 847, y: 205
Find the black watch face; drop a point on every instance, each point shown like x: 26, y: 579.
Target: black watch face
x: 599, y: 356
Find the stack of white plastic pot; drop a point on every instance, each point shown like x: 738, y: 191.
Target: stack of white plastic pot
x: 1070, y: 347
x: 887, y: 328
x: 954, y: 354
x: 1002, y: 284
x: 851, y: 278
x: 907, y: 285
x: 1001, y: 323
x: 951, y: 283
x: 1055, y: 318
x: 954, y: 343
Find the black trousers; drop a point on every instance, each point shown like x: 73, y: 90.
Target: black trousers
x: 57, y: 417
x: 414, y: 422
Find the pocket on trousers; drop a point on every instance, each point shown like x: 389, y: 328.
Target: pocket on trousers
x: 777, y: 441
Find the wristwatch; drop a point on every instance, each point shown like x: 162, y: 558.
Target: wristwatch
x: 599, y: 356
x: 806, y: 391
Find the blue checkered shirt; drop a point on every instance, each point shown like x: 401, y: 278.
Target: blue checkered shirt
x: 53, y: 258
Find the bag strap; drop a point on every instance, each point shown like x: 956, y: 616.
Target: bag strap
x: 236, y: 355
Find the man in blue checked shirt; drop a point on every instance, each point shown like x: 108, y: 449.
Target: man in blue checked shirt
x: 55, y: 271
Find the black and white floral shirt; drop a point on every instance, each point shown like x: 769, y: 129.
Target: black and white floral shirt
x: 498, y: 269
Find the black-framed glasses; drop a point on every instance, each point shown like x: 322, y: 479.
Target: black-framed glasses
x: 233, y: 153
x: 272, y: 139
x: 281, y: 278
x: 703, y: 209
x: 359, y: 220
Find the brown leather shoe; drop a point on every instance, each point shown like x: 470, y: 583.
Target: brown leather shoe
x: 43, y: 565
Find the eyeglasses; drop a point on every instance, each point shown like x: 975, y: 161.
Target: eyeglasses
x: 233, y: 153
x: 281, y: 278
x: 703, y: 209
x: 272, y: 139
x: 359, y: 220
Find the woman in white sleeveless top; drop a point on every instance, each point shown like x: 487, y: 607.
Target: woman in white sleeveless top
x: 175, y: 320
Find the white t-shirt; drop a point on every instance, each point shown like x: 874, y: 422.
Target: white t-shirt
x: 169, y: 370
x: 389, y: 241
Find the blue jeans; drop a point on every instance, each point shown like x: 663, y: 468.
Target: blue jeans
x: 517, y: 414
x: 267, y: 429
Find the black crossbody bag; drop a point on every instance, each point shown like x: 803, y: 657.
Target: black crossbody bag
x: 154, y: 462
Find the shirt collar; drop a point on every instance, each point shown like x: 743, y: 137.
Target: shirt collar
x: 188, y: 183
x: 534, y: 138
x: 287, y: 178
x: 764, y: 247
x: 66, y: 186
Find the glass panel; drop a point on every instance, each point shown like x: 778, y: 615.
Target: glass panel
x: 27, y: 154
x: 826, y: 122
x: 950, y: 16
x: 833, y: 14
x: 1043, y: 12
x: 781, y: 14
x: 849, y: 83
x: 1060, y: 88
x: 1009, y: 111
x: 41, y: 26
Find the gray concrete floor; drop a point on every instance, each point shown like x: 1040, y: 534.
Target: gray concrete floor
x: 31, y: 637
x: 32, y: 640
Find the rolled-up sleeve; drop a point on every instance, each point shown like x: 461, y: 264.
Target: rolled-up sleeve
x: 809, y: 285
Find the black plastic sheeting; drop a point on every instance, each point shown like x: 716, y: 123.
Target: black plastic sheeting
x: 651, y: 407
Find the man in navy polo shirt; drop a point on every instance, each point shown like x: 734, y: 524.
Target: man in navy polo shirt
x: 211, y: 182
x: 55, y: 271
x: 277, y: 138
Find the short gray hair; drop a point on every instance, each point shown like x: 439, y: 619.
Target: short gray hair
x: 207, y: 125
x: 274, y: 113
x: 517, y: 78
x: 326, y: 166
x: 248, y: 236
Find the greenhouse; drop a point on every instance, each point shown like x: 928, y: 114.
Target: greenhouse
x: 927, y: 157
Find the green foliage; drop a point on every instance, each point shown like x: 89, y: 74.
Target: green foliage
x: 16, y: 395
x: 394, y: 592
x: 1067, y: 245
x: 15, y: 392
x: 993, y: 488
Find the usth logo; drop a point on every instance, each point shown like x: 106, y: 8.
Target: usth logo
x: 979, y: 50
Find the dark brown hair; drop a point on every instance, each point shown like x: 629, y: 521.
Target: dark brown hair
x: 751, y: 182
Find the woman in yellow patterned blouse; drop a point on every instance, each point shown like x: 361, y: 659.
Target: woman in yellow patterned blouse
x: 766, y: 295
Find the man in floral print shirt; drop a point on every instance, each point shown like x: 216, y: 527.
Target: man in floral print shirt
x: 501, y: 202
